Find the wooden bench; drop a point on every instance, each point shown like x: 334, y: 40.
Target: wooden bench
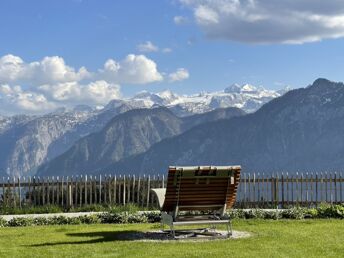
x: 206, y: 190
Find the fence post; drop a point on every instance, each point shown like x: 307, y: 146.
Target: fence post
x: 128, y: 189
x: 123, y: 189
x: 109, y: 189
x: 100, y: 189
x: 19, y: 193
x: 148, y: 190
x: 276, y: 192
x: 133, y: 189
x: 115, y: 190
x: 70, y: 204
x: 91, y: 188
x: 341, y: 186
x: 85, y: 190
x: 138, y: 191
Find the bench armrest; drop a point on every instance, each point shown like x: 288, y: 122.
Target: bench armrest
x: 160, y: 194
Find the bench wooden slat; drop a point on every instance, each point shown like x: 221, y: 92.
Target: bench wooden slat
x: 201, y: 187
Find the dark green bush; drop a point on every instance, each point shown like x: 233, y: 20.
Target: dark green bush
x: 137, y: 218
x: 3, y: 222
x: 236, y: 214
x: 20, y: 222
x: 90, y: 219
x: 41, y: 221
x: 153, y: 217
x: 331, y: 211
x: 293, y: 213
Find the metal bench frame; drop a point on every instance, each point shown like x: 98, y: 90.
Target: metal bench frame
x: 173, y: 217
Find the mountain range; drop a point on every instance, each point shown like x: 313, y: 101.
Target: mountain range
x: 125, y: 135
x: 300, y: 131
x: 27, y: 142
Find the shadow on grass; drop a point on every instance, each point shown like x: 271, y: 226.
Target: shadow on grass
x: 106, y: 236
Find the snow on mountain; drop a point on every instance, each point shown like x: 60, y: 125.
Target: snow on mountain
x: 246, y: 96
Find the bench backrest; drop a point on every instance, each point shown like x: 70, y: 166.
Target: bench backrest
x: 201, y: 188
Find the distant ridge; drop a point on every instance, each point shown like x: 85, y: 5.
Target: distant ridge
x: 300, y: 131
x: 130, y: 133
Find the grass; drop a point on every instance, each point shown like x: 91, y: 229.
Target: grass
x: 282, y: 238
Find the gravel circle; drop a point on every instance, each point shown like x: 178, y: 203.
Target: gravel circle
x: 159, y: 236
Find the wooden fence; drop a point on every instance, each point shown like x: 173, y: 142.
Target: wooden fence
x: 255, y: 190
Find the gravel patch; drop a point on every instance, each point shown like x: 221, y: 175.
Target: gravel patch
x: 160, y: 236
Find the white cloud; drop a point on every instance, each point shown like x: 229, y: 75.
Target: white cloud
x: 206, y: 15
x: 266, y: 21
x: 134, y: 69
x: 94, y: 93
x: 45, y: 98
x: 16, y: 100
x: 11, y: 68
x: 147, y: 47
x: 42, y: 86
x: 180, y: 20
x: 179, y: 75
x: 49, y: 70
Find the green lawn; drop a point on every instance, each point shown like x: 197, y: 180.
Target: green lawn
x: 283, y: 238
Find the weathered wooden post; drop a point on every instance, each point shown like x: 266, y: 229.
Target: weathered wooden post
x: 123, y: 198
x: 148, y: 190
x: 85, y: 190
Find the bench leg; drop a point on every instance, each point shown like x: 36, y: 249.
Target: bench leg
x: 229, y: 229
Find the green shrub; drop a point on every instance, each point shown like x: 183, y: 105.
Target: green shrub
x: 293, y: 213
x: 58, y: 220
x: 153, y: 217
x: 331, y: 211
x: 311, y: 213
x: 137, y: 218
x: 236, y: 214
x: 90, y: 219
x: 3, y: 222
x: 272, y: 214
x: 20, y: 222
x: 113, y: 218
x: 255, y: 214
x: 41, y: 221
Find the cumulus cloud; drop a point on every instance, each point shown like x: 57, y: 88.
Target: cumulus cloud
x: 98, y: 92
x: 47, y: 84
x: 179, y: 75
x: 147, y: 47
x: 134, y: 69
x: 266, y: 21
x: 49, y: 70
x: 16, y: 100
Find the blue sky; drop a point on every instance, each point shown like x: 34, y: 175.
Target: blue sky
x: 214, y: 48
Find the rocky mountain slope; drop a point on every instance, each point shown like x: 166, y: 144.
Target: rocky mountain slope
x: 127, y: 134
x: 26, y: 142
x: 300, y: 131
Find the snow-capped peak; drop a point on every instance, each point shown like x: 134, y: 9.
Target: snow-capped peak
x: 248, y: 88
x: 234, y: 88
x: 246, y: 97
x: 167, y: 95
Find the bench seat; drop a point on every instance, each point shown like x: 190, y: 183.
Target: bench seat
x: 204, y: 189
